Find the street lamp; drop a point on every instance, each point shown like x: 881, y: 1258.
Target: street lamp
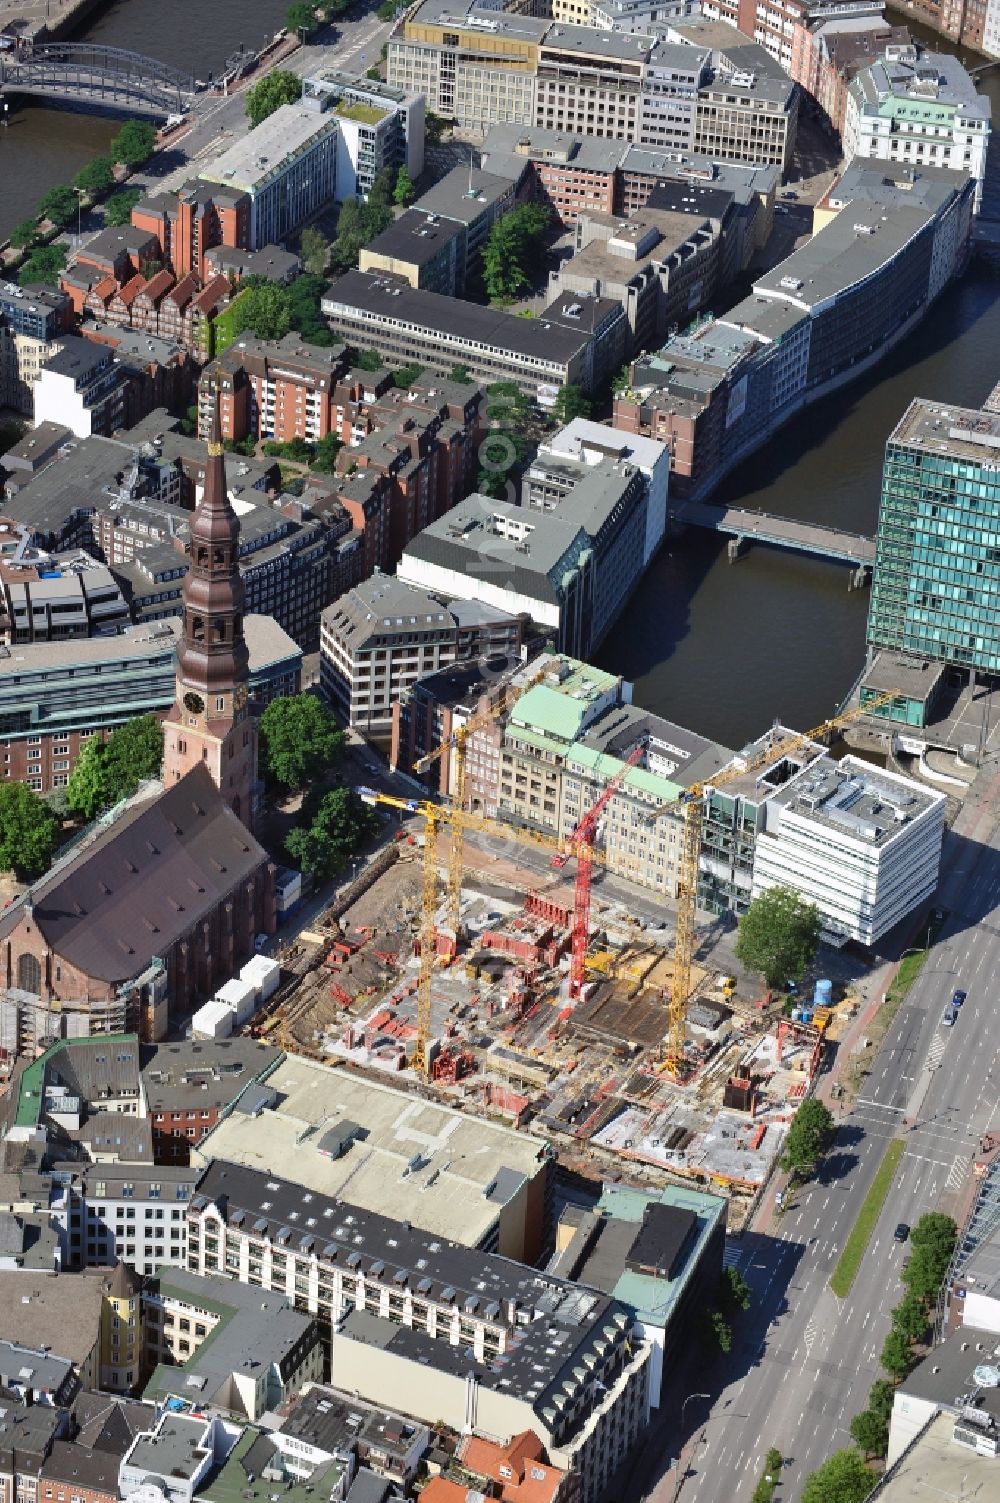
x: 688, y: 1400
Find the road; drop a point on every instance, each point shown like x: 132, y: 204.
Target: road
x: 218, y: 121
x: 808, y: 1359
x: 221, y: 121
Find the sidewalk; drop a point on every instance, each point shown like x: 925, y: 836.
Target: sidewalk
x: 976, y: 821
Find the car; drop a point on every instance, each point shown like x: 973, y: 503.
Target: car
x: 902, y: 1232
x: 788, y: 193
x: 948, y: 1021
x: 958, y: 999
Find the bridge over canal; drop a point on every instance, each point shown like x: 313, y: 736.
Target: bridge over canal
x: 745, y: 527
x: 90, y: 73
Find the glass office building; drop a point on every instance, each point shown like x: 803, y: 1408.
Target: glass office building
x: 936, y: 584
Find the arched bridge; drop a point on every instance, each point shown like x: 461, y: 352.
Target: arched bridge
x: 92, y: 73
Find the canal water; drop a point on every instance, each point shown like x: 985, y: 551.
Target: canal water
x: 40, y: 147
x: 727, y: 648
x: 722, y: 648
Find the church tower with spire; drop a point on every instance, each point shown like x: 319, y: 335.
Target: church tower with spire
x: 211, y: 722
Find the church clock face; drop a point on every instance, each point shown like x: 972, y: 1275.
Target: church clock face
x: 194, y: 703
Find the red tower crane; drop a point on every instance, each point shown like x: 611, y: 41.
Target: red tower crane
x: 581, y: 845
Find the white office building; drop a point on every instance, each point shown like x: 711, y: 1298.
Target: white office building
x: 861, y: 843
x: 109, y: 1211
x: 920, y: 109
x: 287, y: 165
x: 378, y: 126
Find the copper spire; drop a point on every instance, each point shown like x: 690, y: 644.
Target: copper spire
x: 215, y: 446
x: 213, y: 653
x: 214, y: 519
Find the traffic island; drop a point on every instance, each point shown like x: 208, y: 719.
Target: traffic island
x: 846, y: 1271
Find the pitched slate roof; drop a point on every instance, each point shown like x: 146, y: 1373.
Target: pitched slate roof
x: 156, y: 871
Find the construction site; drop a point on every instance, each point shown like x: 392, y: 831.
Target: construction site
x: 507, y: 1041
x: 544, y: 1002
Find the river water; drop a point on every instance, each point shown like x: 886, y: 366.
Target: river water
x: 40, y: 147
x: 728, y: 648
x: 722, y: 648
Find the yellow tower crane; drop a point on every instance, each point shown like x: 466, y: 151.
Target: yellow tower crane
x: 433, y: 816
x: 458, y: 741
x: 692, y: 803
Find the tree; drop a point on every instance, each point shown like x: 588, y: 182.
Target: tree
x: 43, y: 266
x: 404, y: 192
x: 303, y: 299
x: 871, y: 1432
x: 720, y: 1331
x: 359, y: 223
x: 86, y: 793
x: 434, y: 128
x: 315, y: 250
x: 808, y: 1136
x: 506, y: 445
x: 28, y: 831
x: 621, y: 381
x: 387, y: 10
x: 405, y: 376
x: 370, y: 360
x: 270, y: 93
x: 95, y: 176
x: 460, y: 374
x: 910, y: 1317
x: 881, y: 1398
x: 108, y: 771
x: 340, y: 826
x: 118, y: 209
x: 264, y: 309
x: 134, y: 143
x: 844, y: 1478
x: 59, y: 206
x: 778, y: 935
x: 570, y: 403
x: 24, y: 234
x: 734, y: 1292
x: 325, y: 460
x: 935, y: 1233
x: 897, y: 1356
x: 511, y: 250
x: 299, y: 18
x: 135, y: 753
x: 932, y: 1243
x: 381, y: 192
x: 298, y: 740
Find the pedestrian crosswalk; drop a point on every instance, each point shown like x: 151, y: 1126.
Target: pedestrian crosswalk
x: 956, y: 1174
x: 936, y: 1051
x: 732, y: 1255
x: 812, y: 1330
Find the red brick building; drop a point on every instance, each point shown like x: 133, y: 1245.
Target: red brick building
x: 409, y: 457
x: 188, y: 1086
x: 191, y: 221
x: 280, y: 390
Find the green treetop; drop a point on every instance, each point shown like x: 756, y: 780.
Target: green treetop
x: 778, y: 935
x: 270, y: 93
x: 28, y: 831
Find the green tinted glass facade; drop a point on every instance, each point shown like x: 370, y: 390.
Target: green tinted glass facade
x: 936, y: 584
